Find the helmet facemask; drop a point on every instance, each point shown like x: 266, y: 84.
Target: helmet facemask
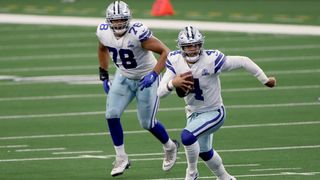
x: 191, y: 52
x: 118, y: 16
x: 119, y: 26
x: 190, y: 42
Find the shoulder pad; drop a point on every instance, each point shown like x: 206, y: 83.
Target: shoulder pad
x: 102, y: 27
x: 174, y: 53
x: 140, y: 31
x: 169, y: 66
x: 219, y: 61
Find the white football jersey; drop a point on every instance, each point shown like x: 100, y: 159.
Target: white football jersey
x: 126, y: 52
x: 207, y: 90
x: 206, y: 94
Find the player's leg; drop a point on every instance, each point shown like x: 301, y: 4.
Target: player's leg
x: 148, y: 103
x: 211, y: 158
x: 192, y: 150
x: 197, y: 124
x: 117, y: 100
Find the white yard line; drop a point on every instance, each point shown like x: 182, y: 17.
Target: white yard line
x: 13, y: 146
x: 41, y: 159
x: 42, y: 149
x: 147, y: 159
x: 103, y: 95
x: 91, y: 55
x: 286, y: 58
x: 31, y: 98
x: 77, y: 56
x: 47, y: 46
x: 71, y: 68
x: 161, y: 110
x: 51, y: 68
x: 273, y: 48
x: 274, y: 169
x: 170, y: 130
x: 55, y: 36
x: 270, y: 148
x: 167, y: 24
x: 77, y: 152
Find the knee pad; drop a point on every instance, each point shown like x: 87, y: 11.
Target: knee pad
x: 206, y: 155
x: 187, y: 138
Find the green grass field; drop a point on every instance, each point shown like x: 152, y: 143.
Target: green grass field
x: 55, y: 129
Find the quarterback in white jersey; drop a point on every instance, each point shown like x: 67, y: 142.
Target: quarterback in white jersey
x: 204, y: 107
x: 130, y: 46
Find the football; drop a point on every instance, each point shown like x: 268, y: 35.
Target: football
x: 180, y: 92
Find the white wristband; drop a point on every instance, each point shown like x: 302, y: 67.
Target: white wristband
x: 170, y: 86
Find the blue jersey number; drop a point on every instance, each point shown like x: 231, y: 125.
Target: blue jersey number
x: 103, y: 26
x: 197, y: 91
x: 126, y: 56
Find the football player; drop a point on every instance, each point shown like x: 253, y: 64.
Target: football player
x: 205, y: 111
x: 130, y: 44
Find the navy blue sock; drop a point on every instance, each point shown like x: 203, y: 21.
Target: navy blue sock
x: 206, y: 156
x: 160, y: 133
x: 116, y: 131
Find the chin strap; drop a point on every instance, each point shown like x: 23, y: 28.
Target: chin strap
x: 192, y: 59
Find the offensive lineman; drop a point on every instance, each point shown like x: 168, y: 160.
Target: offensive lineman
x: 205, y: 111
x: 131, y: 45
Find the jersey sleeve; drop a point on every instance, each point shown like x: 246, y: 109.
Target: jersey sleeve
x: 219, y: 61
x: 100, y: 28
x: 170, y: 67
x: 164, y: 87
x: 141, y: 31
x: 236, y: 62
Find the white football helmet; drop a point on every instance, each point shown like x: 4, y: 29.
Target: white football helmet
x: 190, y: 42
x: 118, y: 15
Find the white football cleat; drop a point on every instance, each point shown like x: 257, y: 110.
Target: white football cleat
x: 120, y: 165
x: 170, y: 156
x: 191, y: 175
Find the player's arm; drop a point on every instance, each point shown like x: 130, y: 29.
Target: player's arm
x: 155, y: 45
x: 166, y: 85
x: 235, y: 62
x: 103, y: 56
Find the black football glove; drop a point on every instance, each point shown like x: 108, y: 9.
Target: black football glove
x: 104, y: 75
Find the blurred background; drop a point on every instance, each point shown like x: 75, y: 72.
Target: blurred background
x: 271, y: 11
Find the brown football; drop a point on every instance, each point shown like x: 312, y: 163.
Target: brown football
x: 180, y: 92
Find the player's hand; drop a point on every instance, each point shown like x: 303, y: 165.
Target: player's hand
x: 183, y: 81
x: 106, y: 86
x: 147, y: 80
x: 104, y: 77
x: 271, y: 82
